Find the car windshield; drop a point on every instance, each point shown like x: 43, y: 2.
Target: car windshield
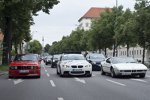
x: 26, y: 58
x: 97, y: 56
x: 56, y: 56
x: 73, y: 57
x: 123, y: 60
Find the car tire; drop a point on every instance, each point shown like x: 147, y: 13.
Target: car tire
x: 10, y: 77
x: 89, y: 75
x: 113, y: 75
x: 142, y: 76
x: 102, y: 71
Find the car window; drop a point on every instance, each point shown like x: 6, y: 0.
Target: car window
x: 26, y: 58
x: 123, y: 60
x: 73, y: 57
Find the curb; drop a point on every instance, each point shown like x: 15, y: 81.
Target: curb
x: 3, y: 73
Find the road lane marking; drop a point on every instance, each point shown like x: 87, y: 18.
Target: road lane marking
x: 47, y: 74
x: 17, y: 81
x: 45, y: 70
x: 52, y: 83
x: 79, y: 80
x: 116, y: 82
x: 139, y: 80
x: 60, y: 98
x: 93, y: 75
x: 9, y: 79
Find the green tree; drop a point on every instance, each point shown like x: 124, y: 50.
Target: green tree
x: 35, y: 47
x: 47, y: 48
x: 17, y: 14
x: 143, y: 24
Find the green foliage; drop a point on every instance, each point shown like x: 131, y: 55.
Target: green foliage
x: 35, y: 47
x: 47, y: 48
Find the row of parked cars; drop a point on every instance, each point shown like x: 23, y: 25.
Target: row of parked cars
x: 76, y: 64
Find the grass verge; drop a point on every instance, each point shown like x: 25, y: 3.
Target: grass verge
x: 4, y: 67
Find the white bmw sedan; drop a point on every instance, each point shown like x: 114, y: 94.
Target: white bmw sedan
x: 74, y: 64
x: 123, y: 66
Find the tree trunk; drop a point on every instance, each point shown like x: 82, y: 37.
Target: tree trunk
x: 127, y: 50
x: 114, y: 50
x: 7, y: 41
x: 105, y: 52
x: 20, y: 48
x: 16, y: 49
x: 143, y: 59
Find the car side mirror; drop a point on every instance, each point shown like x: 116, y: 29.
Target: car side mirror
x: 108, y: 61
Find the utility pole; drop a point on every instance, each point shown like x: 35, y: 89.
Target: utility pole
x: 42, y: 45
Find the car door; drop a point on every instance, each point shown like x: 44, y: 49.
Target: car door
x: 107, y: 65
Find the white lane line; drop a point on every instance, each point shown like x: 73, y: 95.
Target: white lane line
x: 79, y: 80
x: 17, y: 81
x: 139, y: 80
x: 47, y: 74
x: 93, y: 75
x: 52, y: 83
x: 116, y: 82
x: 60, y: 98
x: 9, y: 79
x: 45, y: 70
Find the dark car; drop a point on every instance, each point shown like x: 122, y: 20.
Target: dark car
x: 48, y: 60
x: 95, y: 59
x: 55, y: 60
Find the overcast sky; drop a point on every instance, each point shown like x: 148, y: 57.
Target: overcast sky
x: 64, y: 17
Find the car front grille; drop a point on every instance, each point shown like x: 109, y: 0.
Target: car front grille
x: 23, y: 67
x: 74, y: 66
x: 80, y: 66
x: 77, y: 72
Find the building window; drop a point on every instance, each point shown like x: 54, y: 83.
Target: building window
x: 137, y: 52
x: 87, y: 24
x: 140, y: 52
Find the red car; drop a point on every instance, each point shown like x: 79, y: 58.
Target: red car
x: 25, y: 65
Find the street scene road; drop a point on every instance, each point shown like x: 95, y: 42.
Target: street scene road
x: 53, y: 87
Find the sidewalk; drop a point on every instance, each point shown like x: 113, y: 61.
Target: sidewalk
x: 3, y: 72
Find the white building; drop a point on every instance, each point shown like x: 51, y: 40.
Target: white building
x: 85, y: 23
x: 86, y: 20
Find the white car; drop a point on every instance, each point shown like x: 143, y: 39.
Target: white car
x: 123, y: 66
x: 74, y: 64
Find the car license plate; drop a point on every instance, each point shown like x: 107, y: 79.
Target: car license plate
x: 126, y: 73
x: 24, y: 71
x: 77, y: 70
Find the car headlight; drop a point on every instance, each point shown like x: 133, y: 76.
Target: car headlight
x: 13, y: 67
x: 88, y: 66
x: 66, y: 66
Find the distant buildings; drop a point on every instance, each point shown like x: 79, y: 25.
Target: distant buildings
x: 86, y: 20
x: 85, y: 23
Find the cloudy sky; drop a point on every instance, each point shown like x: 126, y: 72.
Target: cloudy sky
x: 64, y: 17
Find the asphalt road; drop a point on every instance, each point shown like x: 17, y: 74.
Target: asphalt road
x: 52, y: 87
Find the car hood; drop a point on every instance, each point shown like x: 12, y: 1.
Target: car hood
x: 75, y: 62
x: 130, y: 66
x: 24, y: 63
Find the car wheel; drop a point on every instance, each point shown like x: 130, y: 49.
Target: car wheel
x: 10, y: 77
x: 90, y: 75
x: 102, y: 71
x: 142, y: 75
x: 113, y: 75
